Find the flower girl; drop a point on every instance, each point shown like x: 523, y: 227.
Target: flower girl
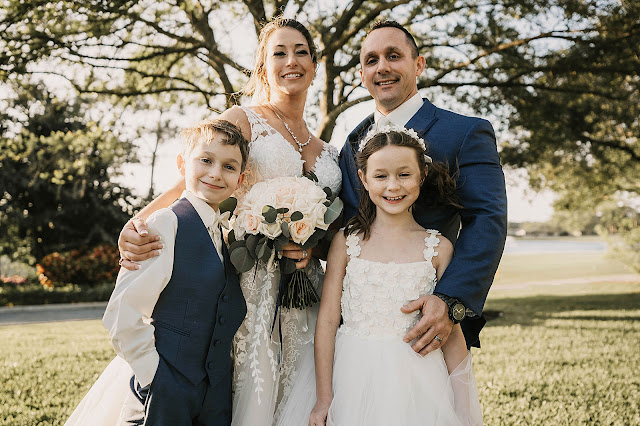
x: 365, y: 374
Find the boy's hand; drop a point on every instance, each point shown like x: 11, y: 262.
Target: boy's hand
x: 319, y: 413
x: 295, y: 252
x: 135, y: 244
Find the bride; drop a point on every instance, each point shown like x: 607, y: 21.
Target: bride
x: 268, y: 346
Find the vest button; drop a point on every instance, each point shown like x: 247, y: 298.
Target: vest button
x: 216, y: 342
x: 210, y: 365
x: 221, y: 320
x: 225, y: 297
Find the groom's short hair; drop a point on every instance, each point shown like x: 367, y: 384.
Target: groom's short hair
x: 387, y: 23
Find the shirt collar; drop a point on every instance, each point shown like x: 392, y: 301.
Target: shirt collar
x: 204, y: 210
x: 401, y: 115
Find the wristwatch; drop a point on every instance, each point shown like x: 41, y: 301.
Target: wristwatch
x: 457, y: 310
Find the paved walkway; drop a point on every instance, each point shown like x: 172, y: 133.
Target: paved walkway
x: 48, y: 313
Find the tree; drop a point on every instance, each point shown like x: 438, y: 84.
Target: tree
x: 559, y: 77
x: 56, y: 174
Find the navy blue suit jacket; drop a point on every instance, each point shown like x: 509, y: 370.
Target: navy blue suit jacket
x: 468, y: 146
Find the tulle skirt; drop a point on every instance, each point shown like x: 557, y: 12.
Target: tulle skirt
x: 382, y: 381
x: 102, y: 405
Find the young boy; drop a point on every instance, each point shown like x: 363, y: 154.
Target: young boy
x: 173, y: 319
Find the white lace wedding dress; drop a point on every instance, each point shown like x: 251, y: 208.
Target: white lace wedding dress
x: 268, y: 346
x: 265, y: 363
x: 377, y: 378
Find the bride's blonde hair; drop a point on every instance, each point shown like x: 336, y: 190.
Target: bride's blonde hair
x: 257, y: 86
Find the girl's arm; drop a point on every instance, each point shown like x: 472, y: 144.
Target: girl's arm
x: 326, y: 327
x: 454, y: 348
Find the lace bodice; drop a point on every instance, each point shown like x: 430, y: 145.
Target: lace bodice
x: 271, y: 156
x: 374, y: 292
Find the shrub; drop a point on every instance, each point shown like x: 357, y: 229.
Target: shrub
x: 80, y: 266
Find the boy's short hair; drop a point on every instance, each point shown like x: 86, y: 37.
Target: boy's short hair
x: 206, y: 131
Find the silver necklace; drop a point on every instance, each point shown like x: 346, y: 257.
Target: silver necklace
x: 300, y: 145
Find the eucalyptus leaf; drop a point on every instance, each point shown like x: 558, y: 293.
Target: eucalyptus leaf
x: 263, y: 252
x: 231, y: 237
x: 314, y: 239
x: 228, y: 205
x: 282, y: 210
x: 287, y: 266
x: 285, y: 230
x: 269, y: 213
x: 238, y: 243
x: 333, y: 211
x: 296, y: 216
x: 252, y: 243
x: 311, y: 176
x: 242, y: 260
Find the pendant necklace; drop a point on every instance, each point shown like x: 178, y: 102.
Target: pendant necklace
x: 300, y: 145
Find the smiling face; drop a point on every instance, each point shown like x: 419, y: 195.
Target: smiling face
x: 212, y: 171
x: 392, y: 179
x: 389, y: 68
x: 289, y: 67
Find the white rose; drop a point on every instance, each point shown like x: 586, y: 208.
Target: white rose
x: 249, y: 222
x: 301, y: 230
x: 270, y: 230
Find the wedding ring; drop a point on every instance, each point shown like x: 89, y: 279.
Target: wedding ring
x: 438, y: 338
x: 120, y: 261
x: 304, y: 254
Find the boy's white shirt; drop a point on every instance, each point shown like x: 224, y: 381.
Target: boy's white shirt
x: 129, y: 310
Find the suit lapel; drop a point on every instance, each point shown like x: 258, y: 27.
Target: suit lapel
x: 424, y: 119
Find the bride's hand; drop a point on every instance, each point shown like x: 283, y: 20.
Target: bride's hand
x: 319, y: 413
x: 295, y: 252
x: 135, y: 244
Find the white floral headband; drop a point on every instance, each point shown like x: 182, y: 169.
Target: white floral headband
x: 400, y: 129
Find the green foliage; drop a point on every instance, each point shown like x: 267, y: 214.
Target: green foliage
x: 33, y: 293
x: 80, y: 266
x: 57, y: 171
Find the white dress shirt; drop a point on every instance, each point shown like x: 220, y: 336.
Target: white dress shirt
x: 128, y: 313
x: 401, y: 115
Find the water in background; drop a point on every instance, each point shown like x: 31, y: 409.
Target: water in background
x: 522, y: 246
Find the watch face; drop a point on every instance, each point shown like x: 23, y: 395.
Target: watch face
x: 458, y: 311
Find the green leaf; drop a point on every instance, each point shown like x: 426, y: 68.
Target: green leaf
x: 285, y: 230
x: 327, y: 191
x: 333, y: 211
x: 231, y: 237
x: 252, y: 243
x: 242, y: 260
x: 282, y: 210
x: 238, y: 243
x: 228, y: 205
x: 314, y: 239
x: 281, y: 241
x: 287, y: 266
x: 263, y: 252
x: 269, y: 213
x: 296, y: 216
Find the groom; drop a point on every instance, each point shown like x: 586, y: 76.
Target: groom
x: 390, y: 65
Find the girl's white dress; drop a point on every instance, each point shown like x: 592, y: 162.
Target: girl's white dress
x: 377, y: 378
x: 265, y: 363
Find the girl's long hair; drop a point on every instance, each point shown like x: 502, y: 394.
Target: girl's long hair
x: 438, y: 188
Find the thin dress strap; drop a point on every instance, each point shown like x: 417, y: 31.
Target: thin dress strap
x: 431, y: 241
x: 353, y: 246
x: 259, y: 125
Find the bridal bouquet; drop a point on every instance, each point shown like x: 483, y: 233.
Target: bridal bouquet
x: 274, y: 212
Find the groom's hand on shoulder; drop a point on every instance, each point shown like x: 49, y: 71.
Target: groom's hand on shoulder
x: 136, y: 244
x: 434, y: 322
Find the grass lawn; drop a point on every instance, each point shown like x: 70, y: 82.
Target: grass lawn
x: 560, y: 355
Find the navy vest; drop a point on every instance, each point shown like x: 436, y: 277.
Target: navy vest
x: 202, y: 306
